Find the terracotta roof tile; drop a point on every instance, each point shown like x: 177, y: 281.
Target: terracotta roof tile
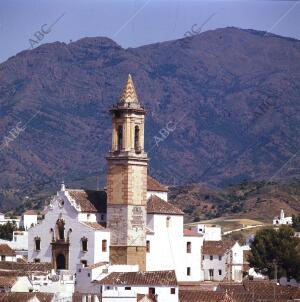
x: 97, y: 264
x: 265, y: 291
x: 166, y: 278
x: 26, y: 297
x: 203, y: 296
x: 89, y: 201
x: 154, y: 185
x: 96, y: 201
x: 30, y: 212
x: 146, y: 298
x: 94, y: 225
x: 216, y: 247
x: 156, y: 205
x: 7, y: 281
x: 26, y: 267
x: 191, y: 233
x: 6, y: 250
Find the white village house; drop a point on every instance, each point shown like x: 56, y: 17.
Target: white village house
x: 222, y: 260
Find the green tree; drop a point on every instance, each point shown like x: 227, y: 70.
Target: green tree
x: 276, y: 249
x: 296, y: 223
x: 6, y: 230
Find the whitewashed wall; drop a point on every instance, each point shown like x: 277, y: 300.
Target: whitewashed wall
x: 168, y: 248
x: 237, y: 262
x: 210, y: 233
x: 28, y: 220
x: 216, y: 265
x: 22, y: 285
x: 163, y: 292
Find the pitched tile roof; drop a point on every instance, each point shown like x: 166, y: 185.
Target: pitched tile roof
x: 166, y: 278
x: 6, y: 250
x: 265, y: 291
x: 203, y: 296
x: 30, y: 212
x: 97, y: 264
x: 187, y: 232
x: 156, y: 205
x: 7, y: 281
x: 25, y: 267
x: 94, y: 225
x: 154, y: 185
x: 26, y: 297
x: 146, y: 298
x: 216, y: 247
x: 88, y: 200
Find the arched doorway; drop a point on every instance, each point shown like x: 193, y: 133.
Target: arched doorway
x: 60, y: 261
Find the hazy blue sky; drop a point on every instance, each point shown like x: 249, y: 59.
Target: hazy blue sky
x: 136, y: 22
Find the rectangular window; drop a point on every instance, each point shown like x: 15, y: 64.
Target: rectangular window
x: 173, y: 290
x: 220, y: 272
x: 104, y: 245
x: 37, y: 244
x: 2, y: 258
x: 84, y: 246
x: 151, y: 291
x: 148, y: 246
x: 37, y: 260
x: 127, y: 288
x: 211, y: 257
x: 220, y: 257
x: 84, y: 262
x: 211, y: 273
x: 189, y: 247
x: 188, y: 271
x: 202, y: 257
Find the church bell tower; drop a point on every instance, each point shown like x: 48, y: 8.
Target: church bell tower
x: 127, y: 181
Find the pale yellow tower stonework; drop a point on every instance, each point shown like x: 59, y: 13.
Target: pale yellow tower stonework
x: 127, y: 181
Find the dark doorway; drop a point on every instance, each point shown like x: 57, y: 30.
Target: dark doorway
x: 60, y: 262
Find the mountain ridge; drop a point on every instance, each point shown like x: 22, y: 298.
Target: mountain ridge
x: 232, y: 96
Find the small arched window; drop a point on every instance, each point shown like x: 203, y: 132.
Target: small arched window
x: 84, y: 242
x: 60, y: 226
x: 137, y: 145
x: 120, y: 138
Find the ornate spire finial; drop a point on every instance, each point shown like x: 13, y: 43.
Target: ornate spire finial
x: 128, y: 93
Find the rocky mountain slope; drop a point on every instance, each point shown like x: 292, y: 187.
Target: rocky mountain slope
x: 222, y: 106
x: 252, y: 200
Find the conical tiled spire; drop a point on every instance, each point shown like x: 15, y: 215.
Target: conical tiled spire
x: 128, y: 93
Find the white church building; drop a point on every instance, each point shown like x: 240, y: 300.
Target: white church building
x: 130, y: 223
x: 281, y: 219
